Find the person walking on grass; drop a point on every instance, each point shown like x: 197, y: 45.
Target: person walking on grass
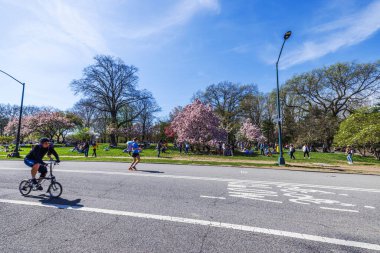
x: 349, y: 153
x: 159, y: 148
x: 94, y: 148
x: 135, y: 154
x: 292, y: 150
x: 306, y: 151
x: 86, y: 148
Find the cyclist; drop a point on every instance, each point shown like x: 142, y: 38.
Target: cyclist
x: 34, y: 160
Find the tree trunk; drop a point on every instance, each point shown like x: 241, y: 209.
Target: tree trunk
x: 113, y: 140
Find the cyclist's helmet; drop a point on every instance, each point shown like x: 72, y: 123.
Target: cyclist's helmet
x: 44, y: 139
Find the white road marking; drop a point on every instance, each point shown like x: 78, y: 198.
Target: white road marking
x: 215, y: 224
x: 278, y: 184
x: 343, y: 194
x: 338, y: 209
x: 370, y: 207
x: 254, y: 198
x: 211, y: 197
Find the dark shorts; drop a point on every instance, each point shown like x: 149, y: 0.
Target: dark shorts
x: 30, y: 163
x: 135, y: 155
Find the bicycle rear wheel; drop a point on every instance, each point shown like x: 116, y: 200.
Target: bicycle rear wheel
x: 55, y: 190
x: 25, y: 187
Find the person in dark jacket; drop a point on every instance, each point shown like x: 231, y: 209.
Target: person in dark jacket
x: 34, y: 160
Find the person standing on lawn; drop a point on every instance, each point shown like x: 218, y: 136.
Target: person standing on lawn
x: 94, y: 148
x: 135, y: 154
x: 86, y: 148
x: 306, y: 151
x: 349, y: 153
x: 159, y: 148
x: 291, y: 152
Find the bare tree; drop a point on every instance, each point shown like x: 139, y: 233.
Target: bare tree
x: 109, y: 85
x: 84, y: 109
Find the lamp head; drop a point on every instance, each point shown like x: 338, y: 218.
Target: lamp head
x: 287, y: 35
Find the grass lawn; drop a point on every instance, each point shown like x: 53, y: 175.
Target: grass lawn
x: 318, y: 161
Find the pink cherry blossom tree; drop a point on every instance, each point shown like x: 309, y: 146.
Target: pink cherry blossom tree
x: 46, y: 123
x: 12, y: 127
x: 249, y: 133
x: 198, y: 125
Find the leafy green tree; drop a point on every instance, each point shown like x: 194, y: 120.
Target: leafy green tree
x: 362, y: 131
x: 333, y: 93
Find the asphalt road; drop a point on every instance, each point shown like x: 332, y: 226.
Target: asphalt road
x: 173, y: 208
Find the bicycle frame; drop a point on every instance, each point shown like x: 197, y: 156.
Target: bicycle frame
x: 51, y: 177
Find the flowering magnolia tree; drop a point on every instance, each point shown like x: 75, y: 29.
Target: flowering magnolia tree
x: 198, y: 125
x: 169, y: 132
x: 48, y: 124
x: 250, y: 133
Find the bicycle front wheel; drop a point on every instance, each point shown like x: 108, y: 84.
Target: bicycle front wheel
x: 55, y: 190
x: 25, y: 187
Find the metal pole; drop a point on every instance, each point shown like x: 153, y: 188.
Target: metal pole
x: 281, y: 159
x: 16, y: 151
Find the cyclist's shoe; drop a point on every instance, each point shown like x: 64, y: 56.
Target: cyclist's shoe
x: 34, y: 184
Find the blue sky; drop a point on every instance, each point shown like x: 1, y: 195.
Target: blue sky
x: 179, y: 46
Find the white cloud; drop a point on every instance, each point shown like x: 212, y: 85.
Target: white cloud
x: 176, y: 15
x: 332, y: 36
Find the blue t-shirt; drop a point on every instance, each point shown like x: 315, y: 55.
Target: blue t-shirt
x: 135, y: 147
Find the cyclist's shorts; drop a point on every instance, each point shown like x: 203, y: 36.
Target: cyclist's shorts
x: 29, y: 162
x: 135, y: 154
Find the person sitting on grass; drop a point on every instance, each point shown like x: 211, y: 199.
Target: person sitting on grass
x: 269, y: 151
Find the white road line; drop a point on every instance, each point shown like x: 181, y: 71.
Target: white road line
x: 215, y: 224
x: 253, y: 198
x: 278, y: 184
x: 370, y: 207
x: 211, y: 197
x: 338, y: 209
x: 343, y: 194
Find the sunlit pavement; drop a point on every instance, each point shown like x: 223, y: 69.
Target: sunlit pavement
x: 174, y: 208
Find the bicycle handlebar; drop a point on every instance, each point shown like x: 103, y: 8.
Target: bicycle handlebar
x: 54, y: 162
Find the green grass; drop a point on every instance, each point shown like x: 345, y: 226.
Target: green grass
x: 174, y: 157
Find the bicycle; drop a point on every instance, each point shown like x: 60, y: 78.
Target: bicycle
x: 54, y: 189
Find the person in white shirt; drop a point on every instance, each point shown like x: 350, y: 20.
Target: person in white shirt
x: 306, y: 151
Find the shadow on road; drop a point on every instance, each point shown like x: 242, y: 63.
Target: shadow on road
x: 60, y: 203
x: 151, y: 171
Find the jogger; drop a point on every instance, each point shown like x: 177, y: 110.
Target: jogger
x: 135, y: 154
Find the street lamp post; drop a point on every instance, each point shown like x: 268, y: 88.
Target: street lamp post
x: 281, y: 159
x: 16, y: 152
